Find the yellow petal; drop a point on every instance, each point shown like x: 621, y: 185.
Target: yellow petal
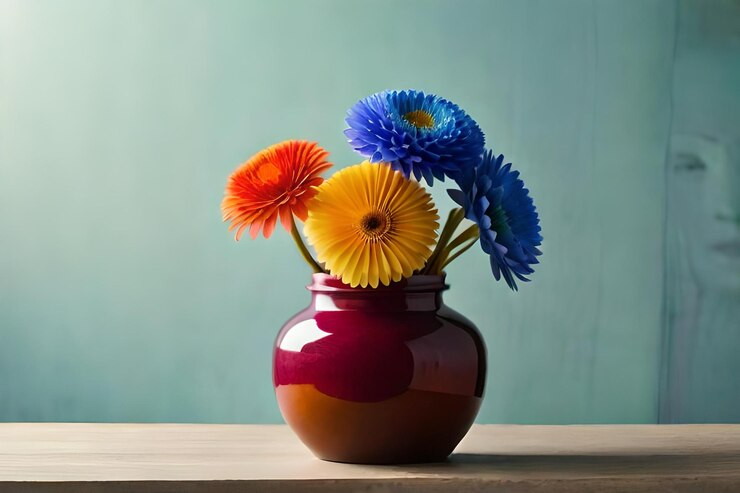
x: 370, y: 225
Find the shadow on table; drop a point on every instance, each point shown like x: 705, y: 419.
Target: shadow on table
x: 601, y: 464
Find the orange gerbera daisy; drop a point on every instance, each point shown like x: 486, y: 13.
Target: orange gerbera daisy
x: 276, y: 182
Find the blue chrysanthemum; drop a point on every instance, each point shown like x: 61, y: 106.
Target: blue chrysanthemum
x: 494, y: 198
x: 418, y: 134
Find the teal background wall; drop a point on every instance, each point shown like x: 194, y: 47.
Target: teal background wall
x: 123, y: 297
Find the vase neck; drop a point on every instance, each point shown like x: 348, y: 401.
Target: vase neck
x: 417, y: 293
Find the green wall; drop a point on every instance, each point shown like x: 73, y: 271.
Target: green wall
x: 123, y: 297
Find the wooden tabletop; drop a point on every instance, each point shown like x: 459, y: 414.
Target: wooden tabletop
x: 229, y: 458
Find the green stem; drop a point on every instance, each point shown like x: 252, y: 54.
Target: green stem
x: 462, y: 250
x: 454, y: 219
x: 471, y: 232
x: 441, y: 260
x: 302, y: 247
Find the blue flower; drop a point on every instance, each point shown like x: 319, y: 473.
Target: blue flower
x: 418, y: 134
x: 494, y: 198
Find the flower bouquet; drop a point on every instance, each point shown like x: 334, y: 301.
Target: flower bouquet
x: 377, y: 369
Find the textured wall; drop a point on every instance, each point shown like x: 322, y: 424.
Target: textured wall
x: 122, y: 296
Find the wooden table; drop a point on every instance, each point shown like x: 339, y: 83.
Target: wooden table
x: 242, y: 458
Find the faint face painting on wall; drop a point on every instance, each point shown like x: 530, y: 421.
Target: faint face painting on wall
x: 702, y: 184
x: 704, y: 172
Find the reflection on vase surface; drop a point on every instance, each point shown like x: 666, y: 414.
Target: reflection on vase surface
x: 383, y: 375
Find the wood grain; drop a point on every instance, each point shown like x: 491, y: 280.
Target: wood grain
x: 226, y: 458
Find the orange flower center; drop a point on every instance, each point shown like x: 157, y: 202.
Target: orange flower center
x: 419, y: 118
x: 268, y: 172
x: 374, y: 225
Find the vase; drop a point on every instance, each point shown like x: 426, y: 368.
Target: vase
x: 381, y: 375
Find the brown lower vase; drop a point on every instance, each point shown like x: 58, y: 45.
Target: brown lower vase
x: 416, y: 426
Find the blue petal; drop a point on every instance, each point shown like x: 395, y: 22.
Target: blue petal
x: 457, y: 195
x: 445, y: 149
x: 496, y: 199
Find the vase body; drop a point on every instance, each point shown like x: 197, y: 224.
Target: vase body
x: 379, y: 376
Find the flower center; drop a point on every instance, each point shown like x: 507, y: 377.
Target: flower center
x: 268, y: 172
x: 499, y: 219
x: 419, y: 118
x: 374, y: 225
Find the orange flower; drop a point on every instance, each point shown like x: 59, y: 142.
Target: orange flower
x: 276, y: 182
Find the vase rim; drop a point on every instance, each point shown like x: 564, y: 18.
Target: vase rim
x: 417, y: 283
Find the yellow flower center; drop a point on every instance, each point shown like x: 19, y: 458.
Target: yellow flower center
x: 419, y: 118
x: 374, y: 225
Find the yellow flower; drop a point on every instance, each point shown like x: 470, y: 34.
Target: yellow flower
x: 370, y: 225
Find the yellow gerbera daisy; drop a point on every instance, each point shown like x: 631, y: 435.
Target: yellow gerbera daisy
x: 369, y: 224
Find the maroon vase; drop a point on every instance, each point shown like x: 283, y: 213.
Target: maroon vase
x: 379, y: 376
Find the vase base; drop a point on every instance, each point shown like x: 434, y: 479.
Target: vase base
x: 412, y: 462
x: 415, y: 427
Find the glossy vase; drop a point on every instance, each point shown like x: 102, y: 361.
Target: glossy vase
x: 379, y: 376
